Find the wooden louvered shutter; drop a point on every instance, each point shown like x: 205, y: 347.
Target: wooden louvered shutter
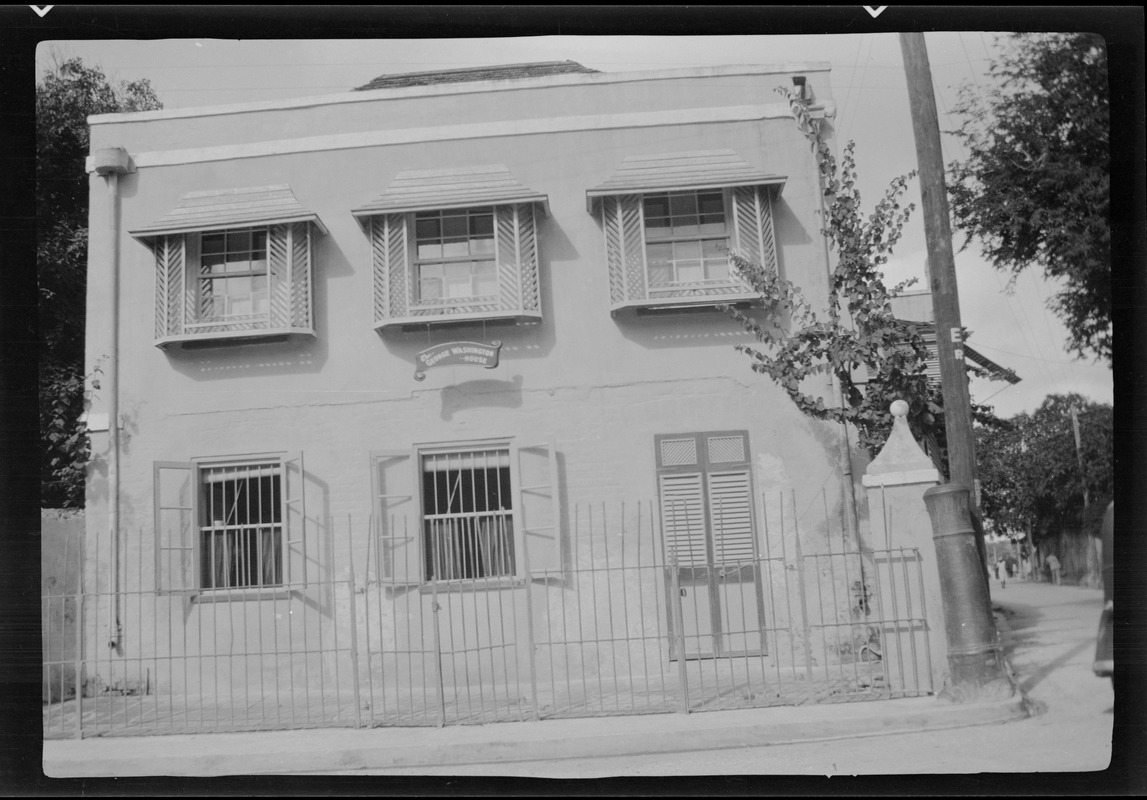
x: 753, y: 226
x: 683, y: 518
x: 397, y: 523
x: 624, y: 248
x: 391, y: 268
x: 731, y: 509
x: 517, y: 256
x: 170, y: 286
x: 176, y: 526
x: 301, y: 260
x: 279, y: 275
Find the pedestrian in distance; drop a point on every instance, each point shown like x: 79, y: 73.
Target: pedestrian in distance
x: 1053, y: 565
x: 1002, y: 573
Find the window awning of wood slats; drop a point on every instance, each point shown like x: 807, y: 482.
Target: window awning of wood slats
x: 227, y: 209
x: 670, y: 172
x: 439, y: 189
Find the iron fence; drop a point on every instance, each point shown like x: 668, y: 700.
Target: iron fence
x: 620, y: 628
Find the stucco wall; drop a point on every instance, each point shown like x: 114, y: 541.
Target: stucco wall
x: 599, y: 387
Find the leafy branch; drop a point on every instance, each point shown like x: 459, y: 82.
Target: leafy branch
x: 857, y: 332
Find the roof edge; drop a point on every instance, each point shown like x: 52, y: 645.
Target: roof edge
x: 471, y: 87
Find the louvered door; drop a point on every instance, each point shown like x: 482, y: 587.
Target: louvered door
x: 709, y: 532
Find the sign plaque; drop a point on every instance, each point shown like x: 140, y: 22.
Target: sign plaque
x: 451, y: 354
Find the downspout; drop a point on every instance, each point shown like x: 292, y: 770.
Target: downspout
x: 831, y: 381
x: 110, y: 163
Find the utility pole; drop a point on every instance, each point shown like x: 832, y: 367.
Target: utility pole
x: 975, y: 659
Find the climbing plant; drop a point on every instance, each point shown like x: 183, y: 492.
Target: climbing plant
x: 875, y: 357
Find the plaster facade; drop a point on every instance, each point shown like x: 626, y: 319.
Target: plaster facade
x: 596, y: 386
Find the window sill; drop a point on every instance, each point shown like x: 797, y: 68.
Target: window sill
x: 241, y: 595
x: 686, y: 303
x: 224, y: 338
x: 444, y: 318
x: 471, y: 585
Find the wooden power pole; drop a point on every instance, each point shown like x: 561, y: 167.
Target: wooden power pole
x: 974, y: 653
x: 938, y: 231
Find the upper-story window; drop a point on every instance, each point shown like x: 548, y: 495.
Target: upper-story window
x: 234, y: 264
x: 686, y: 239
x: 453, y: 246
x: 670, y: 222
x: 454, y: 256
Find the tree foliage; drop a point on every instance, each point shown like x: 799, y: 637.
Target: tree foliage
x: 1029, y: 468
x: 857, y: 331
x: 1035, y: 187
x: 65, y: 97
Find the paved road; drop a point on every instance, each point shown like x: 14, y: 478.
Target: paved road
x: 1049, y: 635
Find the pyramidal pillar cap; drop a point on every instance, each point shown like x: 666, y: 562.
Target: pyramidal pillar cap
x: 901, y: 460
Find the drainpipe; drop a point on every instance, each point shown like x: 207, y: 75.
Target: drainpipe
x: 831, y: 382
x: 110, y: 163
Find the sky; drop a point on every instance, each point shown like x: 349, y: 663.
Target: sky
x: 1009, y: 324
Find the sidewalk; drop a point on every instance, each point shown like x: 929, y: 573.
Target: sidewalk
x: 340, y: 749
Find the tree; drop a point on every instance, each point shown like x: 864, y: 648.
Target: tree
x: 1035, y: 187
x: 65, y: 97
x: 1029, y: 470
x: 799, y: 344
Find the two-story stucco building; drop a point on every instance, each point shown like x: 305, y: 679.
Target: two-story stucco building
x: 424, y: 395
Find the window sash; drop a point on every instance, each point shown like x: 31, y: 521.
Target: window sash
x: 467, y: 515
x: 241, y: 541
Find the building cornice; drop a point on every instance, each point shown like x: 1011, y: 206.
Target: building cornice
x: 481, y: 130
x: 475, y: 87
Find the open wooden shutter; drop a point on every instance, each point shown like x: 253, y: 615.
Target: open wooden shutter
x: 293, y: 496
x: 391, y: 271
x: 170, y: 286
x: 753, y: 226
x: 397, y: 524
x: 624, y: 247
x: 176, y: 511
x: 537, y: 518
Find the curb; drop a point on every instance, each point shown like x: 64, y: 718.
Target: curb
x: 339, y: 750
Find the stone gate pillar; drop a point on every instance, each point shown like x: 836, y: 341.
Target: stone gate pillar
x: 907, y: 600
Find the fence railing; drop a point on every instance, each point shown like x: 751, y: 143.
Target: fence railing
x: 620, y: 628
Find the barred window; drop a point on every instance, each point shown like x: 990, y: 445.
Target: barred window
x: 467, y: 515
x: 240, y: 526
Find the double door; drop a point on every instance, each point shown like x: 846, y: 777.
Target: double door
x: 713, y: 574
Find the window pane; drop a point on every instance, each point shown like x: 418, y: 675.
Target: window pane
x: 427, y: 228
x: 683, y: 250
x: 454, y: 248
x: 711, y: 203
x: 659, y: 253
x: 660, y: 275
x: 482, y: 247
x: 656, y: 206
x: 482, y: 225
x: 455, y: 226
x: 429, y: 251
x: 689, y: 271
x: 683, y: 204
x: 485, y: 279
x: 430, y: 289
x: 713, y: 248
x: 239, y: 242
x: 211, y: 243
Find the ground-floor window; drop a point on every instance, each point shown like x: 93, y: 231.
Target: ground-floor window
x: 467, y: 514
x: 240, y: 525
